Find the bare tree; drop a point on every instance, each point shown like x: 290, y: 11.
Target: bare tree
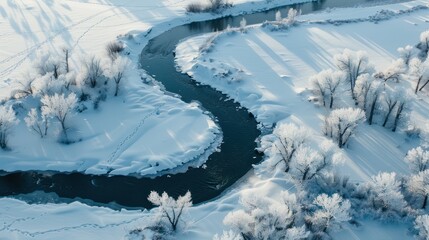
x: 59, y: 107
x: 94, y: 72
x: 24, y: 86
x: 341, y: 124
x: 326, y: 84
x: 390, y: 101
x: 66, y: 52
x: 169, y: 208
x: 7, y: 121
x: 117, y: 71
x: 353, y: 64
x: 36, y: 123
x: 289, y: 138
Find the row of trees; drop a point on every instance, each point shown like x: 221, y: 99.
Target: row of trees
x: 55, y: 90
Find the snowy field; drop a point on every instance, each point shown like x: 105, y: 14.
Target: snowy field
x: 273, y: 84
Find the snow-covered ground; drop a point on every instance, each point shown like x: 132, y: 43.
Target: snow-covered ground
x: 268, y: 73
x: 143, y: 131
x: 272, y: 86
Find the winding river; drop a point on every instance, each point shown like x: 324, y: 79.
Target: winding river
x: 222, y: 169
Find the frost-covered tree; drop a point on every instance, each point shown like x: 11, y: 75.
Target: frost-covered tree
x: 332, y: 213
x: 353, y: 64
x: 418, y: 186
x: 24, y: 86
x: 309, y: 163
x: 419, y: 72
x: 48, y: 62
x: 325, y: 85
x: 117, y: 71
x: 279, y: 16
x: 422, y: 226
x: 341, y: 123
x: 94, y: 72
x: 228, y: 235
x: 38, y: 124
x: 243, y: 24
x: 59, y: 107
x: 367, y: 92
x: 170, y: 209
x: 424, y: 41
x: 385, y: 193
x: 406, y: 53
x: 417, y: 159
x: 393, y: 72
x: 289, y: 138
x: 262, y: 218
x: 7, y: 121
x: 292, y: 14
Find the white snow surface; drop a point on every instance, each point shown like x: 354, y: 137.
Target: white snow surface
x: 268, y: 73
x: 19, y: 220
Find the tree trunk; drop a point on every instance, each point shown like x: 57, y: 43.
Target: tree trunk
x: 116, y: 89
x: 332, y: 101
x: 425, y: 201
x: 63, y: 126
x: 424, y: 85
x: 372, y: 111
x: 418, y: 84
x: 388, y: 114
x: 398, y: 115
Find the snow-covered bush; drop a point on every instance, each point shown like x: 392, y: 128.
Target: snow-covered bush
x: 228, y: 235
x: 24, y: 86
x: 406, y: 53
x: 385, y: 196
x: 418, y: 186
x: 331, y: 214
x: 60, y: 108
x: 419, y: 72
x: 263, y: 218
x: 292, y: 14
x: 353, y: 64
x: 7, y: 121
x: 309, y: 163
x: 48, y: 63
x: 393, y: 72
x: 417, y: 159
x: 169, y: 210
x: 422, y: 226
x: 94, y: 72
x: 288, y: 139
x: 113, y: 49
x: 326, y: 85
x: 243, y: 24
x: 279, y: 16
x: 424, y: 43
x: 341, y: 123
x: 38, y: 124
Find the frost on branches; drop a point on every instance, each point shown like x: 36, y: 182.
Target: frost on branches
x: 422, y: 226
x: 417, y: 159
x: 170, y: 211
x: 326, y: 85
x: 263, y: 218
x: 332, y: 212
x: 60, y: 108
x: 341, y: 123
x: 7, y: 121
x: 289, y: 138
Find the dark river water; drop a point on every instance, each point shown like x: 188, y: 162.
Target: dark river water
x: 223, y: 168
